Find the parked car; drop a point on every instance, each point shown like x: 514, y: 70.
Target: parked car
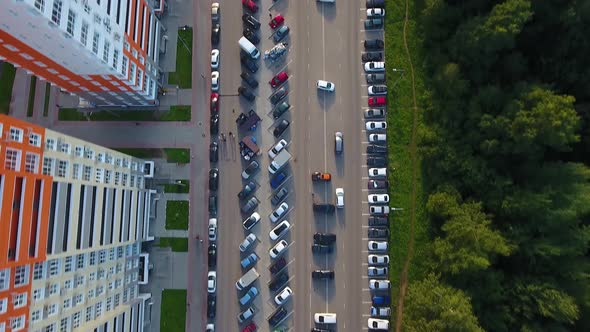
x: 280, y: 128
x: 281, y: 33
x: 376, y: 149
x: 377, y: 172
x: 250, y: 327
x: 215, y: 33
x: 322, y: 274
x: 279, y: 212
x: 246, y: 93
x: 378, y: 221
x: 321, y: 249
x: 279, y: 196
x: 276, y: 21
x: 250, y: 169
x: 278, y: 249
x: 375, y: 12
x: 251, y: 35
x: 378, y: 324
x: 250, y: 21
x: 284, y: 295
x: 246, y: 315
x: 378, y: 259
x: 213, y: 179
x: 374, y: 113
x: 378, y: 89
x: 212, y: 229
x: 377, y: 245
x: 372, y: 56
x: 277, y: 266
x: 214, y: 124
x: 212, y: 255
x: 280, y: 230
x: 376, y: 271
x: 381, y: 300
x: 249, y: 296
x: 278, y: 95
x: 277, y: 316
x: 375, y: 3
x: 324, y: 238
x: 278, y: 79
x: 250, y: 5
x: 376, y: 210
x: 277, y: 148
x: 375, y: 125
x: 278, y: 179
x: 376, y: 161
x: 210, y: 327
x: 378, y: 198
x: 214, y: 102
x: 253, y: 219
x: 374, y: 66
x: 247, y: 190
x: 375, y: 78
x: 249, y: 63
x: 376, y: 284
x: 280, y: 109
x: 212, y: 205
x: 373, y: 23
x: 378, y: 138
x: 211, y: 305
x: 215, y: 12
x: 211, y: 282
x: 249, y: 79
x: 249, y: 261
x: 378, y: 184
x: 373, y: 44
x: 378, y: 233
x: 380, y: 312
x: 278, y: 281
x: 215, y: 58
x: 248, y: 242
x: 213, y: 152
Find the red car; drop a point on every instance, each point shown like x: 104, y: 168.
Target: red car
x: 278, y: 79
x: 250, y: 5
x: 377, y: 101
x: 276, y: 21
x: 250, y: 328
x: 214, y: 102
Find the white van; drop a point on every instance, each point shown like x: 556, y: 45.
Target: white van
x: 249, y: 48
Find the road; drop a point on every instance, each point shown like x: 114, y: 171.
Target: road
x: 325, y: 43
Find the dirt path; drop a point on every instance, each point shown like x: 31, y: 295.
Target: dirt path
x: 404, y: 276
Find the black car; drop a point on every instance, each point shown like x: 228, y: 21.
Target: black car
x: 278, y: 281
x: 212, y: 255
x: 278, y: 95
x: 277, y: 316
x: 279, y: 196
x: 249, y: 78
x: 378, y: 221
x: 214, y: 124
x: 252, y: 167
x: 213, y: 152
x: 375, y: 78
x: 251, y: 36
x: 213, y: 179
x: 246, y: 93
x: 322, y: 274
x: 378, y: 89
x: 372, y: 56
x: 378, y: 184
x: 250, y: 205
x: 376, y: 149
x: 321, y: 249
x: 213, y: 205
x: 324, y: 238
x: 324, y: 207
x: 278, y: 266
x: 249, y: 63
x: 376, y: 161
x: 211, y: 305
x: 317, y: 329
x: 247, y: 190
x: 374, y: 44
x: 377, y: 233
x: 280, y: 110
x: 280, y: 129
x: 215, y: 32
x: 250, y: 21
x: 373, y: 23
x: 375, y: 3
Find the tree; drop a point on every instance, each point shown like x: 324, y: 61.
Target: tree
x: 433, y: 306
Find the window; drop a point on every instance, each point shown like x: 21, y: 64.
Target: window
x: 68, y: 284
x: 80, y: 261
x: 50, y: 144
x: 95, y: 39
x: 99, y: 290
x: 16, y: 134
x: 38, y: 294
x: 53, y: 289
x: 3, y: 305
x: 87, y: 173
x: 76, y: 170
x: 91, y: 294
x: 101, y: 274
x: 79, y: 298
x: 40, y: 5
x: 36, y: 315
x: 118, y: 162
x: 47, y: 166
x: 117, y: 178
x: 118, y: 283
x: 39, y: 271
x: 124, y: 66
x: 67, y: 303
x: 50, y: 328
x: 105, y: 51
x: 92, y: 276
x: 54, y: 267
x: 56, y: 13
x: 98, y: 309
x: 93, y: 258
x: 117, y: 297
x: 108, y: 158
x: 78, y: 151
x: 62, y: 168
x: 120, y: 252
x: 12, y: 160
x: 71, y: 22
x: 84, y: 33
x: 109, y: 304
x: 35, y: 139
x: 86, y: 8
x: 64, y: 324
x: 107, y: 176
x: 32, y: 163
x: 21, y: 275
x: 19, y: 300
x: 89, y: 313
x: 112, y: 254
x: 65, y: 148
x: 51, y: 309
x: 88, y: 153
x: 80, y: 280
x: 17, y: 323
x: 76, y: 319
x: 102, y: 255
x: 132, y: 181
x: 99, y: 176
x: 115, y: 58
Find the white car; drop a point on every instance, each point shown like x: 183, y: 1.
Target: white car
x: 210, y: 328
x: 212, y: 229
x: 377, y: 245
x: 279, y: 231
x: 376, y: 125
x: 324, y: 318
x: 375, y: 12
x: 278, y: 249
x: 277, y: 148
x: 377, y: 271
x: 377, y: 138
x: 252, y: 220
x: 279, y: 212
x: 215, y: 12
x: 379, y: 284
x: 215, y: 81
x: 327, y: 1
x: 377, y: 172
x: 339, y: 198
x: 325, y: 85
x: 248, y: 242
x: 211, y: 282
x: 214, y: 58
x: 378, y: 324
x: 378, y: 198
x: 378, y: 259
x: 378, y: 210
x: 283, y: 296
x: 375, y: 66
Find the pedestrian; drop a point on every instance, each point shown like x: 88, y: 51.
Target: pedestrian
x: 201, y: 241
x: 270, y: 15
x: 223, y: 137
x: 197, y: 237
x: 231, y: 134
x: 137, y: 123
x: 202, y: 76
x: 57, y: 105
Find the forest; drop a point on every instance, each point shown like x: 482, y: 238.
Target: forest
x: 506, y: 151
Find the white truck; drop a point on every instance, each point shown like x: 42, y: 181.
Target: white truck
x: 247, y: 279
x: 279, y: 162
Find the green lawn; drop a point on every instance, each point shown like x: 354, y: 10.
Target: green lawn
x: 176, y: 113
x: 179, y: 156
x: 178, y: 244
x: 142, y: 153
x: 173, y: 310
x: 47, y: 94
x: 6, y: 82
x: 184, y: 66
x: 400, y: 118
x: 182, y: 188
x: 177, y: 215
x: 31, y: 104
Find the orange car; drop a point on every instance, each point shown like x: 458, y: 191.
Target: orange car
x: 319, y: 176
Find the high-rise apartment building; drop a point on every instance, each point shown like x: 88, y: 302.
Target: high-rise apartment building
x: 73, y: 216
x: 105, y: 51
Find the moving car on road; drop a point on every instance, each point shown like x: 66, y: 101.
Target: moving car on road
x: 340, y: 198
x: 322, y: 274
x: 325, y: 85
x: 338, y: 142
x: 324, y: 318
x: 324, y: 238
x: 319, y: 176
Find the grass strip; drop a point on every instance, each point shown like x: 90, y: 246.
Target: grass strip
x: 179, y: 187
x: 179, y: 156
x: 32, y: 89
x: 142, y: 153
x: 176, y: 113
x: 177, y: 215
x: 6, y: 83
x: 184, y: 64
x: 177, y: 244
x: 173, y: 310
x: 47, y: 95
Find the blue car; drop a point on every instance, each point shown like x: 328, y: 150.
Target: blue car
x: 249, y: 296
x: 381, y: 300
x: 278, y: 180
x: 249, y: 261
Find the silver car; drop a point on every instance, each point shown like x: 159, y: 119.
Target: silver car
x: 339, y: 142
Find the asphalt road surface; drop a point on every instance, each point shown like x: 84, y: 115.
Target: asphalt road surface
x: 324, y: 43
